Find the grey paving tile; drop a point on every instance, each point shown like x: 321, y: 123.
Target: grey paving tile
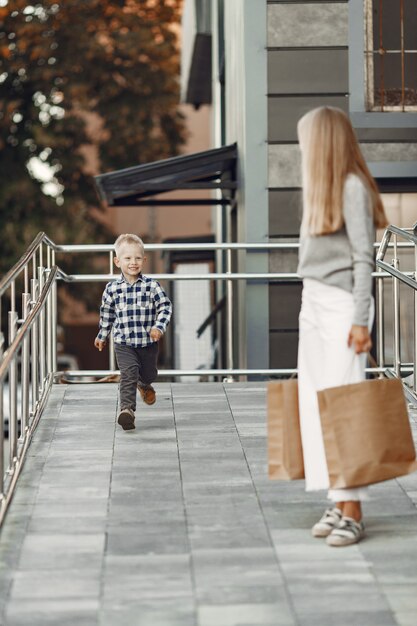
x: 245, y: 615
x: 235, y: 567
x: 298, y: 545
x: 404, y: 618
x: 73, y: 612
x: 163, y: 537
x: 67, y: 525
x: 56, y: 584
x: 274, y: 593
x: 61, y: 551
x: 401, y: 598
x: 147, y: 576
x: 70, y: 509
x: 322, y: 572
x: 228, y: 537
x: 347, y: 617
x: 81, y: 492
x: 164, y: 612
x: 339, y: 598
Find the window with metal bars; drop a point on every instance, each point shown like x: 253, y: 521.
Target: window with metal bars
x: 391, y: 55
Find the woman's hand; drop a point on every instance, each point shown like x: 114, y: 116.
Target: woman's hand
x: 360, y: 338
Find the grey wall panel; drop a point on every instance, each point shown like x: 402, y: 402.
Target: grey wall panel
x: 307, y: 71
x: 283, y: 261
x: 285, y: 208
x: 283, y: 349
x: 393, y: 152
x: 307, y: 24
x: 284, y: 166
x: 284, y: 113
x: 284, y: 305
x: 386, y: 134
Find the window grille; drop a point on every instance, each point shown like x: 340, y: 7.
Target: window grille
x: 391, y: 55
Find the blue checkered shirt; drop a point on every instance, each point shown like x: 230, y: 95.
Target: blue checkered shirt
x: 132, y: 310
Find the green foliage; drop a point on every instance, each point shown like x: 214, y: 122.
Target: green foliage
x: 76, y: 76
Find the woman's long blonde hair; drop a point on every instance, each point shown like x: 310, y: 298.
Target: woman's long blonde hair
x: 330, y: 151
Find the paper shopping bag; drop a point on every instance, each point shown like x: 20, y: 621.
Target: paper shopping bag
x: 366, y: 432
x: 285, y: 454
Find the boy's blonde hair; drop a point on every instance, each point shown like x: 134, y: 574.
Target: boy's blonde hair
x: 330, y: 151
x: 128, y: 238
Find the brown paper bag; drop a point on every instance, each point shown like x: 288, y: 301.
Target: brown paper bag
x: 285, y: 454
x: 366, y: 432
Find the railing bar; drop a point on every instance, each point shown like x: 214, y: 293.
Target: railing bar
x: 200, y: 247
x: 204, y: 372
x: 402, y: 54
x: 272, y: 277
x: 405, y: 277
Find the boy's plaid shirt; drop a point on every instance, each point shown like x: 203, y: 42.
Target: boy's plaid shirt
x: 132, y: 310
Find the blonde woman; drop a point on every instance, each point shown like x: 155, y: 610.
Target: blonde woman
x: 341, y: 208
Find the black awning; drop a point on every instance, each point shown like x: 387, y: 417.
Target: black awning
x: 212, y: 169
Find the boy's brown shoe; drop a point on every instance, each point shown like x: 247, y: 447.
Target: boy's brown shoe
x: 126, y: 419
x: 147, y: 394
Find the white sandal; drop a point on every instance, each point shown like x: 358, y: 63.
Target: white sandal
x: 348, y: 532
x: 330, y: 520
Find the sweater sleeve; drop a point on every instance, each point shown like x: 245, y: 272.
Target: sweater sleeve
x: 360, y: 232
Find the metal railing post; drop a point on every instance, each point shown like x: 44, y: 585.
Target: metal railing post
x: 396, y: 299
x: 13, y: 426
x: 42, y: 351
x: 112, y: 356
x: 35, y: 351
x: 54, y: 319
x: 229, y: 312
x: 48, y: 318
x: 25, y: 365
x: 1, y: 426
x: 415, y: 316
x: 380, y: 321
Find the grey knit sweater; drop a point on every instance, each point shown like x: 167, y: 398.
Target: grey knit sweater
x: 344, y: 259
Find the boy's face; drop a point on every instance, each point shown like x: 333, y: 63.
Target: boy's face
x: 130, y: 260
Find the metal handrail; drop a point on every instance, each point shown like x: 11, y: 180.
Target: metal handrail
x: 183, y: 247
x: 20, y: 346
x: 12, y: 350
x: 406, y: 278
x: 27, y: 256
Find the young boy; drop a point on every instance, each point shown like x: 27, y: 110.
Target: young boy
x: 139, y: 311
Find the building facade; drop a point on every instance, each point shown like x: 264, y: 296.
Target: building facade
x: 271, y: 62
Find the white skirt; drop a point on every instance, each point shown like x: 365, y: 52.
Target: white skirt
x: 324, y: 360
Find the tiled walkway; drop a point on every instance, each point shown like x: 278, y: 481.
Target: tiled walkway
x: 176, y: 524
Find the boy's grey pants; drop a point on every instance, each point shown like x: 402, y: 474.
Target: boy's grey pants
x: 137, y: 367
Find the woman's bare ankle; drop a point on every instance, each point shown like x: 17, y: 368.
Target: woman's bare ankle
x: 353, y: 509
